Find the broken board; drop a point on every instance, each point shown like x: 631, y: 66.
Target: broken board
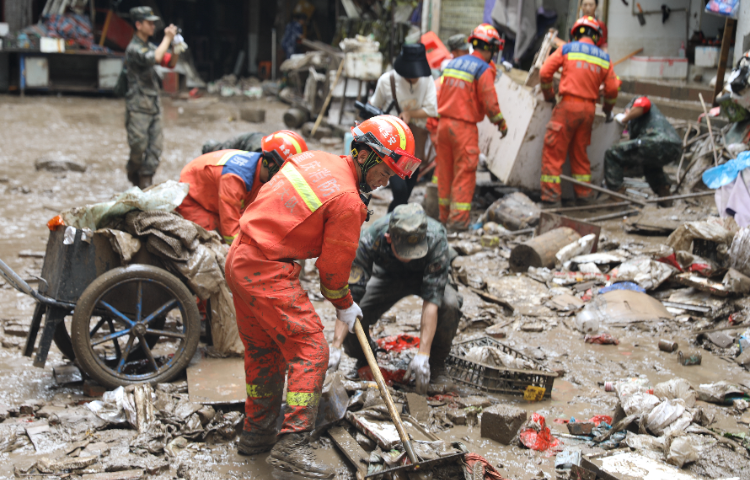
x: 351, y: 449
x: 217, y: 380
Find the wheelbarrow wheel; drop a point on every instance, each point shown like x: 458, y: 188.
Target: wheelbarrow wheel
x: 136, y: 324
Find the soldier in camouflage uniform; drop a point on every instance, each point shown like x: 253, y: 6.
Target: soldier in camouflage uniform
x: 143, y: 107
x: 248, y: 142
x: 653, y: 143
x: 405, y: 253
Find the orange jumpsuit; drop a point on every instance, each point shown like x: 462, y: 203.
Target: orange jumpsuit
x: 584, y: 68
x: 222, y: 185
x: 467, y: 94
x: 311, y: 208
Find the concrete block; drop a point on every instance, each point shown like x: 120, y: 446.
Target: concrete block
x: 502, y: 422
x: 474, y: 401
x: 252, y: 115
x: 580, y: 428
x: 418, y: 407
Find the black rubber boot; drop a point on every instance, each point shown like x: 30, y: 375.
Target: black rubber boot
x: 145, y: 181
x: 133, y: 178
x: 293, y: 458
x: 252, y: 444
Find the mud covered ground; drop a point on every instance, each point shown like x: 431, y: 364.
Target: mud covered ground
x: 91, y: 131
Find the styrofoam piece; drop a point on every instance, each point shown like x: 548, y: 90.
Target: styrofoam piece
x: 658, y: 67
x: 517, y: 159
x: 109, y: 71
x: 707, y: 56
x: 52, y: 45
x: 363, y: 65
x: 4, y: 29
x: 354, y: 88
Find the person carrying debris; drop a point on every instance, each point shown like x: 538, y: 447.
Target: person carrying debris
x: 466, y: 95
x: 653, y: 143
x: 224, y: 183
x: 312, y: 208
x: 584, y: 68
x: 405, y: 253
x: 142, y: 103
x: 409, y: 88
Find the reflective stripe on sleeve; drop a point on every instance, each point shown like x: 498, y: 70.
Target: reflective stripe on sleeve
x: 497, y: 118
x: 301, y: 187
x: 550, y: 179
x: 334, y: 294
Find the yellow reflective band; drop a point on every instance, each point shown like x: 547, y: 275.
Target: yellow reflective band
x: 229, y: 240
x: 546, y: 85
x: 452, y: 72
x: 461, y: 206
x: 441, y: 80
x: 225, y: 158
x: 497, y: 118
x: 334, y: 294
x: 401, y: 133
x: 444, y: 201
x: 550, y: 179
x: 302, y: 399
x: 300, y: 185
x: 610, y: 101
x: 291, y: 140
x: 589, y: 58
x: 434, y: 179
x: 582, y: 178
x: 256, y: 391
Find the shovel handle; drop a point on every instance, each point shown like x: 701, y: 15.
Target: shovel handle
x: 359, y: 331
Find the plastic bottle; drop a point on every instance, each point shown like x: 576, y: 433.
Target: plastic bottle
x: 681, y: 51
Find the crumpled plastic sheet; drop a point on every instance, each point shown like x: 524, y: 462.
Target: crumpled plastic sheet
x: 644, y: 271
x: 722, y: 392
x: 536, y: 435
x: 622, y: 286
x: 682, y: 238
x: 581, y: 246
x: 683, y: 449
x: 133, y: 404
x: 739, y: 251
x: 648, y: 445
x: 164, y: 197
x: 224, y: 333
x: 639, y: 403
x: 492, y: 356
x: 664, y: 414
x: 676, y: 388
x: 724, y: 174
x: 123, y: 243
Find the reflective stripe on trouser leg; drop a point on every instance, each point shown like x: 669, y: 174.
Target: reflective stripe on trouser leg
x: 279, y: 327
x: 583, y: 114
x: 466, y: 155
x: 444, y: 167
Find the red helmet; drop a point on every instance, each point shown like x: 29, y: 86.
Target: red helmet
x: 586, y: 27
x: 391, y: 139
x: 282, y: 145
x: 485, y: 37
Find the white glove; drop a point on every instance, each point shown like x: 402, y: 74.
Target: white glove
x: 349, y: 315
x: 619, y: 117
x: 334, y: 358
x: 178, y: 44
x: 419, y: 368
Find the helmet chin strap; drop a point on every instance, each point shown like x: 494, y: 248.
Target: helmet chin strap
x: 371, y: 161
x: 273, y: 167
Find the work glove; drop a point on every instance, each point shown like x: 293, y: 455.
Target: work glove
x: 419, y: 369
x: 178, y: 44
x: 608, y: 117
x: 334, y: 358
x: 349, y: 315
x: 503, y: 128
x: 619, y: 118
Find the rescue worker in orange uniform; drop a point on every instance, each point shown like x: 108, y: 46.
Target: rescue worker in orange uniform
x: 584, y: 68
x: 467, y: 94
x: 314, y: 207
x: 225, y: 182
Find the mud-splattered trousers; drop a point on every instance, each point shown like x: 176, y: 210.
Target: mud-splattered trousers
x: 585, y: 68
x: 145, y: 138
x: 310, y: 208
x: 222, y: 185
x: 466, y: 95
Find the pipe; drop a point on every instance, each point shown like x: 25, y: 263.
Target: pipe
x: 603, y: 190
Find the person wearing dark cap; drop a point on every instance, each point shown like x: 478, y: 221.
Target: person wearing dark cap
x: 410, y: 90
x: 405, y: 253
x: 143, y: 107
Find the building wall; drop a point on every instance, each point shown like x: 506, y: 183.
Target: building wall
x: 18, y: 13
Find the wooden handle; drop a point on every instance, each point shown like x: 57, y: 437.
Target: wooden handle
x: 384, y: 391
x: 629, y: 55
x: 328, y: 99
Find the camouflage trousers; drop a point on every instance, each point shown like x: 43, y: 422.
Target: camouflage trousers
x: 249, y: 142
x: 650, y: 154
x: 145, y: 138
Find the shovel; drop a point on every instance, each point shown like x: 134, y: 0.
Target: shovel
x: 395, y: 417
x: 641, y: 18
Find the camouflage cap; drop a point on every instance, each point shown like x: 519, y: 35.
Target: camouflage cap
x: 408, y: 230
x: 138, y: 14
x: 458, y: 42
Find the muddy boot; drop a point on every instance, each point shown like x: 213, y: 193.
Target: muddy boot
x: 133, y: 178
x: 664, y: 192
x: 145, y: 181
x: 586, y: 201
x: 251, y: 444
x: 293, y: 458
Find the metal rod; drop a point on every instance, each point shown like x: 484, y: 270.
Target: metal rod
x: 684, y: 151
x: 612, y: 215
x: 710, y: 131
x: 328, y: 99
x: 378, y: 376
x: 273, y: 54
x: 603, y: 190
x: 678, y: 197
x: 587, y: 207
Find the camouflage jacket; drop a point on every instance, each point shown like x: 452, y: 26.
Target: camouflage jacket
x: 652, y: 125
x: 374, y: 250
x: 143, y: 84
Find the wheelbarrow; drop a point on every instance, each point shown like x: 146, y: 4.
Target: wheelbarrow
x: 135, y: 323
